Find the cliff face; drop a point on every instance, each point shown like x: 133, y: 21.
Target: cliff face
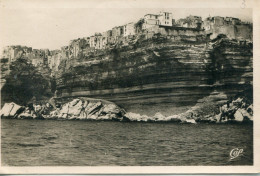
x: 166, y: 69
x: 22, y: 82
x: 160, y: 74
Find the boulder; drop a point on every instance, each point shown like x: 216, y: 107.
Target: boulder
x: 111, y: 108
x: 218, y: 117
x: 173, y: 118
x: 250, y: 109
x: 238, y: 102
x: 27, y: 115
x: 74, y: 108
x: 190, y: 121
x: 159, y: 117
x: 87, y: 108
x: 63, y: 112
x: 37, y: 108
x: 136, y: 117
x: 238, y: 116
x: 245, y: 114
x: 94, y: 108
x: 10, y: 109
x: 212, y: 119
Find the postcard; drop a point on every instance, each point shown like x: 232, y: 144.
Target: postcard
x: 121, y: 86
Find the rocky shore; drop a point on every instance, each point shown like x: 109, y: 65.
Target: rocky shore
x: 82, y: 108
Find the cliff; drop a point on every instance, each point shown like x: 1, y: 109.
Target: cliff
x: 23, y: 83
x: 161, y: 73
x: 143, y: 67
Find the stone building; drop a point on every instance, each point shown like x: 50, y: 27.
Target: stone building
x: 233, y: 28
x: 129, y: 29
x: 109, y: 36
x: 77, y: 46
x: 165, y: 19
x: 93, y: 41
x: 101, y: 42
x: 15, y: 52
x: 27, y: 50
x: 65, y: 52
x: 46, y: 52
x: 117, y: 31
x: 150, y: 20
x: 162, y: 19
x: 231, y: 20
x: 87, y: 40
x: 190, y: 22
x: 38, y: 57
x: 213, y: 22
x: 54, y: 60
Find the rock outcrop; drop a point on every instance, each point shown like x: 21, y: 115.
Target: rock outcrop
x: 90, y: 109
x: 82, y: 108
x: 77, y: 109
x: 10, y: 109
x: 169, y: 71
x: 238, y: 110
x: 159, y: 74
x: 24, y: 82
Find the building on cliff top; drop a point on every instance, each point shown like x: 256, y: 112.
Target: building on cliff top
x: 233, y: 28
x: 150, y: 25
x: 15, y: 52
x: 77, y: 45
x: 129, y: 29
x: 190, y: 22
x: 150, y: 20
x: 162, y: 19
x: 165, y: 19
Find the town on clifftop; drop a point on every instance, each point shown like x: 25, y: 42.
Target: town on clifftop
x: 162, y: 23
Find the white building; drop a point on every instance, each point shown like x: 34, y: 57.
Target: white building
x: 150, y: 20
x: 93, y: 41
x: 101, y: 42
x: 165, y: 19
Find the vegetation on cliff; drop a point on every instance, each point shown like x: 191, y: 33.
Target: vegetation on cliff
x: 24, y: 83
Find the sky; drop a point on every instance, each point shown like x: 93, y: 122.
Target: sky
x: 54, y: 26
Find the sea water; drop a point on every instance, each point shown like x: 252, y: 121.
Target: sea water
x: 99, y: 143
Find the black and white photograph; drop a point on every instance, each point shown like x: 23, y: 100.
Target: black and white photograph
x: 108, y: 86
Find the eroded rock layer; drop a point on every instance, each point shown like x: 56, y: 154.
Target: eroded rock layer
x: 160, y: 74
